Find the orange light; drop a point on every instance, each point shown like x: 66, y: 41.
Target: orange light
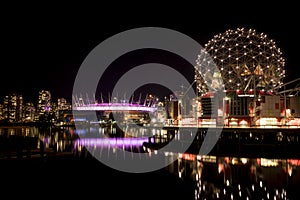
x: 188, y: 156
x: 294, y: 162
x: 220, y: 168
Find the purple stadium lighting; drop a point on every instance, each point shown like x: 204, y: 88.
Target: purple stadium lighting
x: 114, y: 107
x: 111, y: 142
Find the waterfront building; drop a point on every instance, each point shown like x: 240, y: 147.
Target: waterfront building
x: 44, y: 104
x: 12, y: 108
x: 62, y: 104
x: 247, y: 69
x: 29, y: 112
x: 1, y: 112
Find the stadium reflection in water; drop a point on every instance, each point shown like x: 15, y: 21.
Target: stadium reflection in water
x: 243, y: 165
x: 236, y: 168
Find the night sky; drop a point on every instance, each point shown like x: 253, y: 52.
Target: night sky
x: 44, y: 49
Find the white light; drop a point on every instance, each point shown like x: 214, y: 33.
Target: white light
x: 244, y: 161
x: 227, y: 182
x: 260, y: 183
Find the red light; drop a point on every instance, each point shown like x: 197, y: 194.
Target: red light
x: 294, y: 162
x: 188, y: 156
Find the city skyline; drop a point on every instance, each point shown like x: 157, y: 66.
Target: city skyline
x: 240, y: 145
x: 48, y: 55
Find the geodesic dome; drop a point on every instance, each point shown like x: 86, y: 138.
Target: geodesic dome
x: 240, y: 59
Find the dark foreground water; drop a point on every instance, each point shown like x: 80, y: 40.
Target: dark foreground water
x: 39, y: 163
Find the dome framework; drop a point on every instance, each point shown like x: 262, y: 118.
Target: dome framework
x: 240, y: 60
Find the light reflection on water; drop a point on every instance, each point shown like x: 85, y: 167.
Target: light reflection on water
x: 56, y: 139
x: 20, y: 131
x: 237, y: 178
x: 220, y: 176
x: 213, y: 176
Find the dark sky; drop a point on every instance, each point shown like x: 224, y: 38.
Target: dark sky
x: 43, y: 49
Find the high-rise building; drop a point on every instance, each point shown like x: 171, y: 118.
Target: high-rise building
x: 44, y: 103
x: 64, y: 110
x: 62, y: 104
x: 29, y: 112
x: 13, y: 107
x: 1, y: 111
